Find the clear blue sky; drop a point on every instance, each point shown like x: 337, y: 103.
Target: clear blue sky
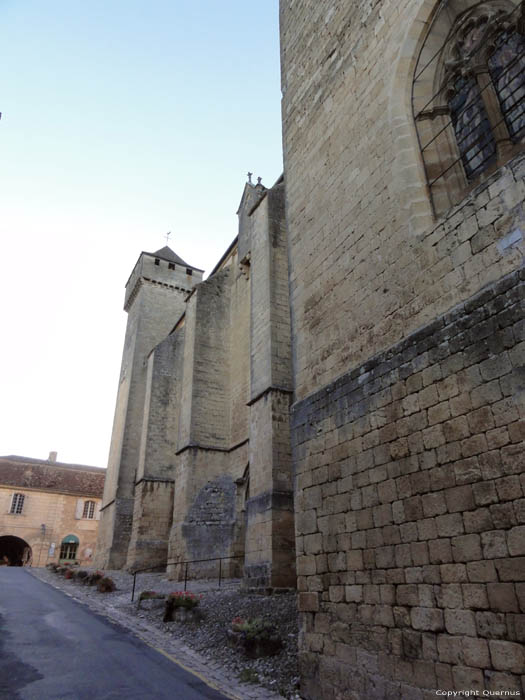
x: 121, y: 121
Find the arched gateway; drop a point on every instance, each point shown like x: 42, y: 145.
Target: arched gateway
x: 15, y: 551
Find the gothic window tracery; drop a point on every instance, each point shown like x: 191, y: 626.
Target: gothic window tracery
x: 471, y: 124
x: 507, y: 70
x: 469, y: 94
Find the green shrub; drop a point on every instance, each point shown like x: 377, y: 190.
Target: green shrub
x: 254, y: 628
x: 148, y: 595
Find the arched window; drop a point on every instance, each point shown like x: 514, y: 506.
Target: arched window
x: 17, y: 504
x: 69, y: 547
x: 89, y: 510
x: 469, y: 94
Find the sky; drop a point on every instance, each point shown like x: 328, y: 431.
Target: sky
x: 121, y: 121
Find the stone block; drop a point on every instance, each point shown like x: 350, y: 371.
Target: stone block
x: 460, y: 622
x: 412, y: 508
x: 453, y: 573
x: 467, y: 471
x: 494, y: 544
x: 475, y: 595
x: 444, y: 676
x: 497, y: 681
x: 502, y: 597
x: 433, y: 504
x: 466, y: 548
x: 449, y: 596
x: 308, y: 602
x: 449, y: 525
x: 449, y: 649
x: 306, y: 566
x: 508, y: 488
x: 507, y: 656
x: 475, y: 652
x: 478, y: 520
x: 420, y: 554
x: 503, y: 515
x: 459, y: 498
x: 426, y: 529
x: 354, y: 560
x: 481, y: 572
x: 491, y: 625
x: 511, y: 569
x: 440, y: 551
x: 466, y: 677
x: 485, y: 493
x: 516, y: 540
x: 456, y: 429
x: 430, y: 619
x: 336, y: 594
x: 385, y: 557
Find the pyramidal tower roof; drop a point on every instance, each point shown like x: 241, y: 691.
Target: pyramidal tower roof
x: 167, y: 253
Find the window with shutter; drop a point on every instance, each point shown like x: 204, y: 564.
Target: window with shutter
x: 17, y: 503
x: 89, y: 510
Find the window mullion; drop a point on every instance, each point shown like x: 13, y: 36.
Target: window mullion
x: 495, y: 115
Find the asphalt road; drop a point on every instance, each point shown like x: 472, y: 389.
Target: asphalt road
x: 53, y: 648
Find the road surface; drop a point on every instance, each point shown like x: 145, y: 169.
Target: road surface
x: 53, y: 648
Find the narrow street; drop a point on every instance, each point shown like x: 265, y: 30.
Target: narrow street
x: 53, y: 648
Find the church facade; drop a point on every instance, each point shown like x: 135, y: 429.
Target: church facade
x: 346, y: 391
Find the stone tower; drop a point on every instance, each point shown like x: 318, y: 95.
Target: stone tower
x: 155, y: 299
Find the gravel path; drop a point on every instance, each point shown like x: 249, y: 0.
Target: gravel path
x: 203, y: 646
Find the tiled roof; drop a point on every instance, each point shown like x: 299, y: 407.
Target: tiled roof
x: 26, y: 472
x: 166, y: 253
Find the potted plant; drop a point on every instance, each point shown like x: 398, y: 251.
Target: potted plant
x: 182, y: 606
x: 255, y: 636
x: 150, y: 600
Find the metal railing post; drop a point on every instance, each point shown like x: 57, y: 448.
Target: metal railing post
x: 220, y: 572
x: 185, y: 575
x: 133, y: 591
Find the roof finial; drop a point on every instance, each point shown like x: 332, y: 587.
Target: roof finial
x: 259, y: 180
x: 250, y: 178
x: 167, y: 235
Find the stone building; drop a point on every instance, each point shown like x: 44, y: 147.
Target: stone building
x: 49, y: 511
x: 403, y: 127
x: 200, y: 459
x: 376, y: 322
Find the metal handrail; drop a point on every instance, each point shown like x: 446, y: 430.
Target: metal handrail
x: 184, y: 562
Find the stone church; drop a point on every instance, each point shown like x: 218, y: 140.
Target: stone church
x: 200, y: 460
x: 351, y: 376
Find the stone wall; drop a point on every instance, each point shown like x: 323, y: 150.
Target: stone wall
x: 366, y: 266
x: 155, y: 299
x: 408, y: 366
x: 233, y: 473
x: 407, y: 354
x: 154, y: 487
x: 411, y: 511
